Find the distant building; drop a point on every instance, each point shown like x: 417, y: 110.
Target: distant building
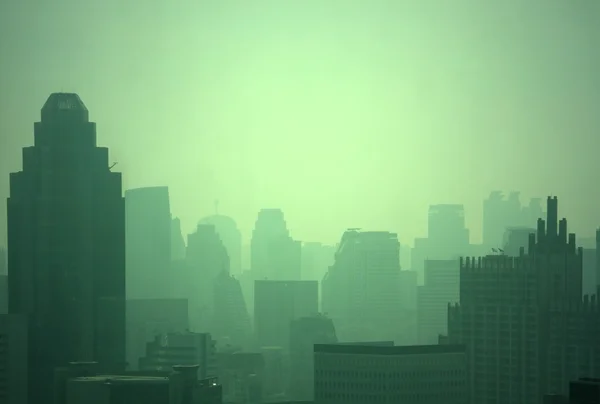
x: 274, y: 254
x: 316, y: 259
x: 3, y: 263
x: 231, y: 322
x: 242, y: 376
x: 277, y: 304
x: 206, y: 259
x: 177, y: 241
x: 3, y: 294
x: 442, y: 287
x: 515, y: 239
x: 147, y: 318
x: 523, y: 319
x: 181, y: 348
x: 66, y: 232
x: 348, y: 374
x: 361, y: 291
x: 231, y: 237
x: 13, y: 359
x: 305, y: 333
x: 148, y: 214
x: 408, y: 303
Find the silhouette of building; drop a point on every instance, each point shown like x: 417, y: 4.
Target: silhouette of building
x: 274, y: 254
x: 348, y: 374
x: 409, y: 305
x: 231, y: 322
x: 147, y: 318
x: 442, y: 286
x: 316, y: 259
x: 66, y: 237
x: 177, y: 241
x: 206, y: 258
x: 242, y: 375
x: 277, y: 304
x: 516, y: 238
x: 181, y: 348
x: 305, y: 333
x: 13, y: 359
x: 148, y: 238
x: 500, y: 213
x: 447, y: 237
x: 361, y: 291
x: 527, y: 329
x: 589, y: 280
x: 231, y: 237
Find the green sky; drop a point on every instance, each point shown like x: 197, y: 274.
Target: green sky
x: 343, y: 113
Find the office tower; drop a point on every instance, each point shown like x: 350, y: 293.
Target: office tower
x: 500, y: 213
x: 147, y: 318
x: 274, y: 254
x: 3, y: 294
x: 148, y: 235
x: 424, y: 374
x: 177, y: 241
x: 527, y: 329
x: 66, y: 245
x: 305, y: 333
x: 442, y: 287
x: 316, y: 259
x: 588, y: 275
x: 181, y: 348
x: 231, y: 237
x: 447, y: 237
x: 408, y: 304
x: 231, y: 324
x: 361, y: 289
x: 13, y: 359
x: 277, y: 304
x: 206, y: 258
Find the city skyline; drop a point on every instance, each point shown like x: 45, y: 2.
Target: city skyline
x: 364, y: 114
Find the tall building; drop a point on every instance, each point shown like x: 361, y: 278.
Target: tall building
x: 523, y: 320
x: 447, y: 237
x: 3, y: 264
x: 275, y: 255
x: 148, y: 235
x: 442, y: 287
x: 13, y: 359
x: 231, y: 237
x: 420, y: 374
x: 277, y: 304
x: 66, y: 246
x: 206, y: 258
x: 231, y: 324
x: 516, y: 238
x: 177, y: 241
x: 316, y: 258
x: 361, y: 291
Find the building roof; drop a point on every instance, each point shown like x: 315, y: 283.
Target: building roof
x: 387, y: 350
x: 64, y: 102
x: 120, y: 379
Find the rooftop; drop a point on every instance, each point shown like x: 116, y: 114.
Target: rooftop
x: 64, y: 102
x: 119, y: 379
x: 387, y: 350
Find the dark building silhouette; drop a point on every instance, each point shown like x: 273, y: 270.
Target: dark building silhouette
x: 148, y: 235
x: 13, y: 359
x: 350, y: 373
x: 304, y: 334
x: 277, y: 304
x: 523, y: 320
x: 206, y: 258
x: 231, y: 237
x: 361, y: 291
x: 274, y: 254
x: 66, y: 246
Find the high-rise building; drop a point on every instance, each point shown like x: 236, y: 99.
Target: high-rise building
x: 13, y: 359
x: 177, y: 241
x: 361, y: 291
x: 442, y: 287
x: 148, y: 235
x: 277, y: 304
x: 66, y: 246
x: 274, y: 254
x: 206, y: 258
x: 231, y: 237
x: 527, y: 330
x: 231, y: 324
x: 316, y: 259
x: 3, y: 261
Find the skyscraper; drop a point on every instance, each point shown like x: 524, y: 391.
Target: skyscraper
x: 274, y: 254
x: 148, y: 234
x: 231, y: 237
x: 66, y: 246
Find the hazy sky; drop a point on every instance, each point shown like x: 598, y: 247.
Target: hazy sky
x: 343, y: 113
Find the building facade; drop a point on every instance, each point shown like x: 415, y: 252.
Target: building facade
x: 66, y: 245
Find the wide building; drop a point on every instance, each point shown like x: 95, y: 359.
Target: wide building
x: 66, y: 246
